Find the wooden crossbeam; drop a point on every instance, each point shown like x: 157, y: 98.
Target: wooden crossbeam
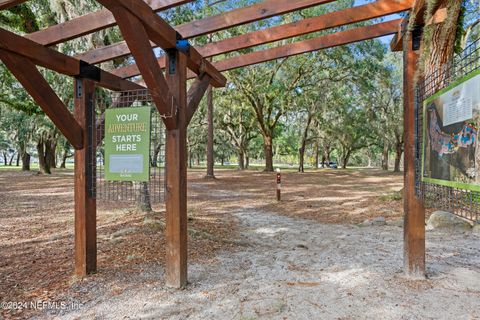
x: 5, y: 4
x: 35, y: 84
x: 60, y: 62
x: 136, y: 36
x: 326, y: 21
x: 263, y: 10
x: 195, y: 95
x: 90, y: 23
x: 164, y: 36
x: 315, y: 44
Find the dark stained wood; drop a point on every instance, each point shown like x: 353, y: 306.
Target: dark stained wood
x: 38, y: 54
x: 195, y: 95
x: 89, y: 23
x: 137, y: 38
x: 36, y: 85
x: 5, y: 4
x: 162, y: 34
x: 57, y: 61
x: 326, y: 21
x: 414, y: 212
x: 176, y: 179
x: 115, y: 83
x: 85, y: 202
x: 263, y: 10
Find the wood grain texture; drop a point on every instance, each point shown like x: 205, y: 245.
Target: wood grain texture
x: 176, y: 178
x: 315, y: 44
x: 137, y: 39
x: 195, y: 94
x: 57, y: 61
x: 305, y: 26
x: 35, y: 84
x: 414, y: 212
x: 90, y: 23
x: 159, y: 32
x: 263, y: 10
x: 85, y: 203
x: 5, y: 4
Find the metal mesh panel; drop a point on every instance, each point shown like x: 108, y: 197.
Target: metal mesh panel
x: 127, y: 191
x: 464, y: 203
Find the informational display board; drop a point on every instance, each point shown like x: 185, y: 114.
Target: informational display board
x: 451, y: 151
x: 127, y: 144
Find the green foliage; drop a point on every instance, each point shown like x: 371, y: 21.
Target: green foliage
x: 345, y: 100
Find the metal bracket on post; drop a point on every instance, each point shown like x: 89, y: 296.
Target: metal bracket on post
x: 79, y: 85
x: 172, y: 61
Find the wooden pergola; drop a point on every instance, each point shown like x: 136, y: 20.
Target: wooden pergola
x: 143, y: 30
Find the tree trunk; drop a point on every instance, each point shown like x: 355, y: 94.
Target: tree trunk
x: 398, y: 156
x: 210, y: 137
x: 10, y: 162
x: 385, y: 156
x: 42, y: 162
x: 317, y: 155
x: 50, y: 152
x: 346, y: 158
x: 301, y: 156
x: 323, y: 160
x: 198, y: 160
x: 64, y: 159
x: 190, y: 160
x: 241, y: 160
x: 144, y: 203
x: 25, y: 161
x: 304, y: 144
x: 268, y: 152
x: 327, y: 153
x: 440, y: 39
x: 156, y: 151
x: 247, y: 161
x: 5, y: 158
x: 18, y: 158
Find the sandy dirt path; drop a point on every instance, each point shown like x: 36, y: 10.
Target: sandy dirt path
x: 299, y: 269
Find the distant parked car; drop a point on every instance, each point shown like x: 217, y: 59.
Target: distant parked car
x: 333, y: 165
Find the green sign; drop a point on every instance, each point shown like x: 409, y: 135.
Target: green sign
x: 127, y: 144
x: 451, y: 121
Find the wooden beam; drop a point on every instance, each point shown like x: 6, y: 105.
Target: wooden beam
x: 36, y: 85
x: 263, y: 10
x: 60, y: 62
x: 137, y: 39
x: 315, y: 44
x: 176, y: 180
x: 84, y: 179
x: 5, y: 4
x: 90, y: 23
x: 326, y: 21
x: 195, y: 95
x: 414, y: 212
x: 164, y: 36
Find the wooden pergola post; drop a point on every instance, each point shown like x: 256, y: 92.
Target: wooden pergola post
x: 414, y: 212
x: 85, y: 201
x: 176, y: 174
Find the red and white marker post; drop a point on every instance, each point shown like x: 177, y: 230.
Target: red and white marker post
x: 279, y: 184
